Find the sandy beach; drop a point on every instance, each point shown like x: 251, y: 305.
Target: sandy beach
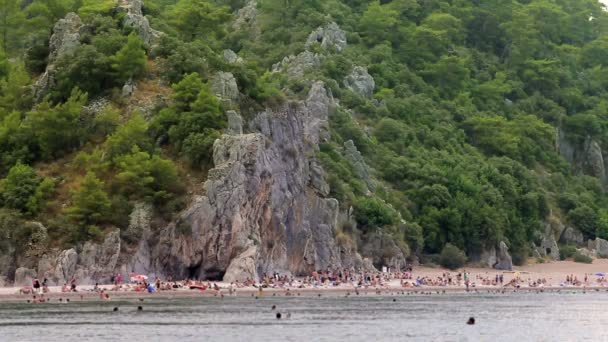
x: 554, y: 274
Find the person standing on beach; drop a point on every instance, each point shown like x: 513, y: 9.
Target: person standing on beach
x: 36, y: 285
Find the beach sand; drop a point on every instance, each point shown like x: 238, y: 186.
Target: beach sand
x: 554, y: 272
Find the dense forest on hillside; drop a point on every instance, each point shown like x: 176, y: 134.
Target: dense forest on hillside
x: 472, y: 102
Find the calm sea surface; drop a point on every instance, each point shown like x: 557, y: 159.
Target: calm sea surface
x: 371, y: 318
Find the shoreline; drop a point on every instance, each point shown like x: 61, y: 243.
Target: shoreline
x: 90, y: 296
x: 554, y: 273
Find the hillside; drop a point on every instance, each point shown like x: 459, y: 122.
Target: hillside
x: 231, y: 138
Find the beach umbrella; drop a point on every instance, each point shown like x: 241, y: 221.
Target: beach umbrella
x: 139, y: 277
x: 600, y: 274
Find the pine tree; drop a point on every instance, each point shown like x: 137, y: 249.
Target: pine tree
x: 130, y: 61
x: 90, y: 202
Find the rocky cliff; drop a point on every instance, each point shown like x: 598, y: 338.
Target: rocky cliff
x: 265, y: 207
x: 586, y: 158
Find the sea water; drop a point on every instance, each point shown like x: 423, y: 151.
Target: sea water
x: 371, y: 318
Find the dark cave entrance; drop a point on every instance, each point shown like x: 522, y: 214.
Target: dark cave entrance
x: 194, y: 272
x: 214, y: 274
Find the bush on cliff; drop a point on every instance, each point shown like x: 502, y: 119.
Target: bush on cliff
x: 452, y: 257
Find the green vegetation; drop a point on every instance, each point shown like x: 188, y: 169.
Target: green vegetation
x: 451, y: 257
x: 460, y: 132
x: 578, y: 257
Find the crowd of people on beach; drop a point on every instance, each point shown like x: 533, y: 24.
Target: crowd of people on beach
x: 326, y: 279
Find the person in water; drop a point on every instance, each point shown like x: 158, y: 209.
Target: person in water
x: 471, y: 321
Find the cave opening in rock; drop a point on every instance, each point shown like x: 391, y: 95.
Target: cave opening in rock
x: 214, y: 274
x: 548, y: 250
x: 194, y: 272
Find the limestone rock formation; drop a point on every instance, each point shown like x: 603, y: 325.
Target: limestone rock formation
x: 135, y: 19
x: 24, y: 276
x: 260, y: 213
x: 360, y: 82
x: 600, y: 246
x: 97, y: 263
x: 329, y: 36
x: 224, y: 87
x: 235, y: 123
x: 358, y: 163
x: 586, y: 158
x: 548, y: 243
x: 64, y: 40
x: 231, y: 57
x: 246, y: 16
x: 296, y: 66
x: 503, y: 258
x: 129, y: 88
x: 572, y: 236
x: 382, y: 251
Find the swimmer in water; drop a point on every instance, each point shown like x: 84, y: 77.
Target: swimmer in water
x: 471, y: 321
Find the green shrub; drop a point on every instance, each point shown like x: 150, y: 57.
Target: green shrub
x: 452, y: 257
x: 578, y: 257
x: 566, y: 252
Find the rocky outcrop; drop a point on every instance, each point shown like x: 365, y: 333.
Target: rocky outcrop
x: 330, y: 36
x: 231, y: 57
x: 129, y: 88
x: 600, y: 246
x: 382, y: 251
x: 503, y: 258
x: 296, y: 66
x: 135, y: 19
x: 572, y: 236
x: 24, y: 276
x: 360, y: 82
x: 260, y: 212
x: 246, y: 17
x: 548, y: 246
x: 358, y: 164
x: 235, y: 123
x: 224, y: 87
x: 97, y: 263
x: 586, y: 158
x: 64, y: 40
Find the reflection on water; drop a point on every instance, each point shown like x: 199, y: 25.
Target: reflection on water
x: 507, y: 317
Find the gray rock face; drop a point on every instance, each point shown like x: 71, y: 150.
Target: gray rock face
x: 129, y: 88
x: 260, y: 213
x: 488, y: 257
x: 592, y: 162
x: 548, y: 243
x: 64, y: 40
x: 572, y: 236
x: 586, y: 252
x: 24, y: 276
x: 224, y: 87
x: 600, y: 246
x: 358, y: 163
x: 360, y: 82
x: 235, y: 123
x: 65, y: 268
x: 586, y: 159
x: 296, y: 66
x: 98, y: 262
x: 231, y: 57
x: 246, y: 16
x: 503, y: 258
x: 135, y: 19
x: 330, y: 36
x: 382, y: 251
